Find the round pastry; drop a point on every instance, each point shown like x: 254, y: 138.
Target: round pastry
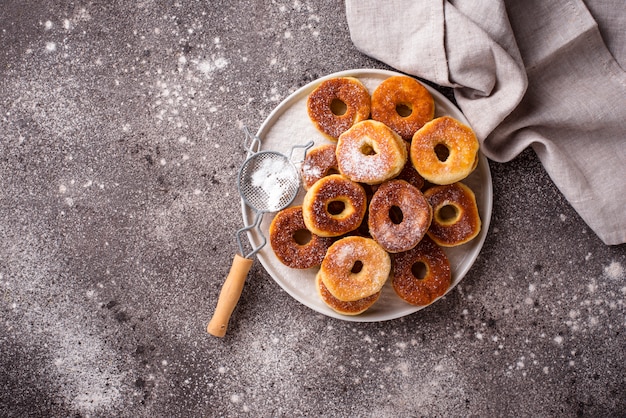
x: 444, y: 151
x: 403, y: 104
x: 334, y: 206
x: 319, y: 162
x: 294, y: 245
x: 345, y: 308
x: 338, y: 103
x: 355, y: 268
x: 399, y: 216
x: 370, y: 152
x: 455, y: 214
x: 422, y: 274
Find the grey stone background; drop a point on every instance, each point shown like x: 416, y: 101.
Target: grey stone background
x: 120, y: 139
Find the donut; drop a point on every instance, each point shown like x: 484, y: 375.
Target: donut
x: 422, y: 274
x: 444, y: 151
x: 318, y: 162
x: 355, y: 268
x: 403, y: 104
x: 334, y: 206
x: 455, y: 214
x: 338, y: 103
x: 293, y: 244
x: 399, y: 216
x: 370, y: 152
x: 345, y: 308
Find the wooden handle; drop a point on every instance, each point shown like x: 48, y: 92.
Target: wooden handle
x: 229, y: 295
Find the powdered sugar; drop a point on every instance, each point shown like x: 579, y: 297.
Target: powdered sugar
x: 276, y: 178
x: 311, y: 170
x: 346, y: 252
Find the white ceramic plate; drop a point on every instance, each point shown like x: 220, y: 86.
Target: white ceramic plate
x: 290, y: 125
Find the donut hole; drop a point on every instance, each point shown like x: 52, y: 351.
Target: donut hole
x: 404, y: 110
x: 442, y: 152
x: 331, y: 171
x: 419, y: 270
x: 448, y: 214
x: 338, y: 107
x: 367, y: 149
x: 357, y: 267
x: 302, y: 236
x: 336, y: 207
x: 396, y: 215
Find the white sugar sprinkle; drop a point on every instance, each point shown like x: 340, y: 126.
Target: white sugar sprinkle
x: 274, y: 178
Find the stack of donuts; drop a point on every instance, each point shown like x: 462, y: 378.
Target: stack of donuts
x: 383, y: 195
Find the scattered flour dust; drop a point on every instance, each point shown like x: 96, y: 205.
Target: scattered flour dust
x: 436, y: 387
x: 209, y: 66
x: 86, y: 372
x: 614, y: 271
x: 79, y: 359
x: 589, y: 315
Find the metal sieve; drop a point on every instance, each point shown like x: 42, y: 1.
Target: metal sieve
x: 268, y: 181
x: 279, y: 187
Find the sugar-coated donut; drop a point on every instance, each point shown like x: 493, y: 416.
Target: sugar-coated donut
x: 284, y: 238
x: 399, y: 216
x: 444, y: 150
x: 338, y: 103
x: 422, y: 274
x: 345, y: 308
x: 455, y: 214
x: 370, y: 152
x: 334, y: 206
x: 403, y: 104
x: 355, y: 268
x: 319, y: 162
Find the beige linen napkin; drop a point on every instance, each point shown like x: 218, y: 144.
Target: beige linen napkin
x: 544, y: 74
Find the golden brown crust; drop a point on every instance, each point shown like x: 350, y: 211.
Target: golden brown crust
x: 414, y: 214
x: 457, y: 139
x: 355, y: 268
x: 345, y: 308
x: 407, y: 92
x: 319, y: 162
x: 455, y: 214
x: 370, y: 152
x: 437, y: 278
x: 347, y: 90
x: 320, y: 216
x: 283, y: 229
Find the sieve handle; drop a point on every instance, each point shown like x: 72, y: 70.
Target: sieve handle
x: 306, y: 147
x: 251, y: 143
x: 255, y: 225
x: 229, y: 295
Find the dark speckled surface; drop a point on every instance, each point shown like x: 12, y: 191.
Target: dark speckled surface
x: 120, y: 139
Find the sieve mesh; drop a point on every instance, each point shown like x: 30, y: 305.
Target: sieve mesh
x: 268, y: 181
